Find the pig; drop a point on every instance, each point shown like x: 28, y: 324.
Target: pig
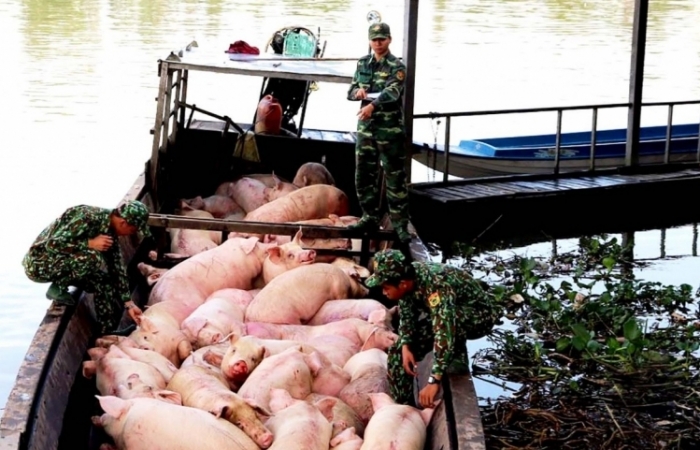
x: 147, y: 424
x: 225, y: 189
x: 152, y: 274
x: 245, y: 353
x: 310, y: 202
x: 328, y: 378
x: 234, y: 264
x: 297, y: 425
x: 206, y: 389
x: 219, y: 206
x: 159, y: 330
x: 346, y: 440
x: 186, y: 242
x: 313, y: 173
x: 136, y: 388
x: 209, y: 356
x: 367, y: 309
x: 284, y: 257
x: 358, y: 331
x: 268, y: 179
x: 162, y: 364
x: 216, y: 318
x: 279, y: 189
x: 296, y: 295
x: 287, y: 370
x: 368, y: 370
x: 351, y: 267
x: 249, y: 193
x: 408, y: 425
x: 114, y: 367
x: 343, y: 415
x: 330, y: 243
x: 338, y: 349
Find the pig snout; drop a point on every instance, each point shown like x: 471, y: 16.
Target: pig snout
x: 264, y: 439
x: 238, y: 370
x: 307, y: 256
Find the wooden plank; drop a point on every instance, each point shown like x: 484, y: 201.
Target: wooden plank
x: 462, y: 192
x: 56, y: 387
x: 506, y: 187
x: 576, y: 184
x: 484, y: 189
x: 526, y: 186
x: 288, y: 228
x: 451, y: 195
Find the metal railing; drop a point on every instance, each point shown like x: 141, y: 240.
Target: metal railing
x: 560, y: 112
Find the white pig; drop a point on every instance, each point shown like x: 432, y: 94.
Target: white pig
x: 407, y: 424
x: 147, y: 424
x: 216, y: 318
x: 366, y: 309
x: 346, y: 440
x: 369, y: 376
x: 297, y: 425
x: 296, y: 295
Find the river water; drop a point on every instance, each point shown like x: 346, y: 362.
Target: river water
x: 79, y: 78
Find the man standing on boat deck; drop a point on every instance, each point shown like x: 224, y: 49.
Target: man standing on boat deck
x: 80, y: 248
x: 378, y: 83
x: 440, y: 307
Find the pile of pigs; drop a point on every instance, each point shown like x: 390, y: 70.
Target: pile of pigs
x: 255, y: 343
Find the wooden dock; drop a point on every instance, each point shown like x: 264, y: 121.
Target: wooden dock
x: 565, y: 205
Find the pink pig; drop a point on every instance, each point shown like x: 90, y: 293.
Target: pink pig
x: 299, y: 425
x: 407, y: 424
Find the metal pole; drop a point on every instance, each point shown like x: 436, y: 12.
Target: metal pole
x: 594, y: 136
x: 639, y: 37
x: 558, y: 143
x: 446, y: 165
x: 667, y: 152
x: 663, y: 243
x: 410, y: 38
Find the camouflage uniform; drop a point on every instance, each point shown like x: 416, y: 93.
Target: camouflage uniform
x: 446, y: 308
x: 60, y: 254
x: 381, y: 138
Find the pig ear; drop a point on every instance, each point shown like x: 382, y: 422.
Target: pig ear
x: 393, y: 310
x: 212, y: 358
x: 89, y: 369
x: 344, y: 435
x: 232, y: 338
x: 257, y: 408
x: 249, y: 245
x: 169, y: 396
x: 274, y: 253
x: 379, y: 400
x: 113, y: 406
x: 96, y: 353
x: 147, y: 325
x: 278, y: 182
x: 195, y: 325
x: 326, y: 407
x: 306, y: 181
x: 333, y: 217
x: 427, y: 414
x: 153, y: 278
x: 297, y: 237
x: 314, y: 362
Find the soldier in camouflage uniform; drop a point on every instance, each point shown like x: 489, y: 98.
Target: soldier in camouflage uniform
x: 81, y: 249
x: 380, y: 134
x: 440, y: 307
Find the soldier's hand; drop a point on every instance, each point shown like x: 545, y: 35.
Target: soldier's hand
x: 100, y: 243
x: 365, y: 112
x: 409, y: 361
x: 361, y: 94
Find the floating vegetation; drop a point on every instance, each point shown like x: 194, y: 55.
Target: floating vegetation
x: 603, y: 360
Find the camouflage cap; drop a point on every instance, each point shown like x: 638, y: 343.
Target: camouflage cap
x: 136, y: 214
x: 379, y: 31
x: 388, y: 265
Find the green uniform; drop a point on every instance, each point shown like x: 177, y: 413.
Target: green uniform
x: 60, y: 254
x: 381, y: 139
x: 446, y: 308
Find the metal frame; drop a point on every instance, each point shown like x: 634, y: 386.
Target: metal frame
x: 560, y: 112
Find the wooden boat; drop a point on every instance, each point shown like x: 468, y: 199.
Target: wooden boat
x: 51, y: 402
x: 536, y: 154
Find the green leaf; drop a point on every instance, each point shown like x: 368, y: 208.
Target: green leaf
x: 612, y: 343
x: 609, y: 263
x: 593, y: 345
x: 632, y: 330
x: 581, y: 332
x: 573, y: 384
x: 563, y: 344
x: 578, y: 343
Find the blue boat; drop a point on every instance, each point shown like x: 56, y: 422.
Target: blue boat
x: 536, y: 154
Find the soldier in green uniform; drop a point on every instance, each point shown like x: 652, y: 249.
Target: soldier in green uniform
x: 378, y: 83
x: 80, y: 248
x: 440, y: 307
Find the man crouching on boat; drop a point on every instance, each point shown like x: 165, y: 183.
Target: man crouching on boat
x: 75, y: 250
x: 455, y: 308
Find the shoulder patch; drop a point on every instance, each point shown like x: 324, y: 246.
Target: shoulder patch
x: 434, y: 299
x: 400, y: 75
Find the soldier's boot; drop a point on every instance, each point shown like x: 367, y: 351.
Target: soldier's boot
x: 366, y: 223
x: 60, y: 295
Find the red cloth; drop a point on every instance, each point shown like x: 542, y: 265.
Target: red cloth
x: 243, y: 47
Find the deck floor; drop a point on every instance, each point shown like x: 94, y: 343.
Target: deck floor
x: 473, y: 190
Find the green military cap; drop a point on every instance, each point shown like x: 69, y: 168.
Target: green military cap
x: 388, y: 265
x: 136, y: 214
x: 379, y: 31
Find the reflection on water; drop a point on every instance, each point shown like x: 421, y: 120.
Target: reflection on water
x: 80, y: 80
